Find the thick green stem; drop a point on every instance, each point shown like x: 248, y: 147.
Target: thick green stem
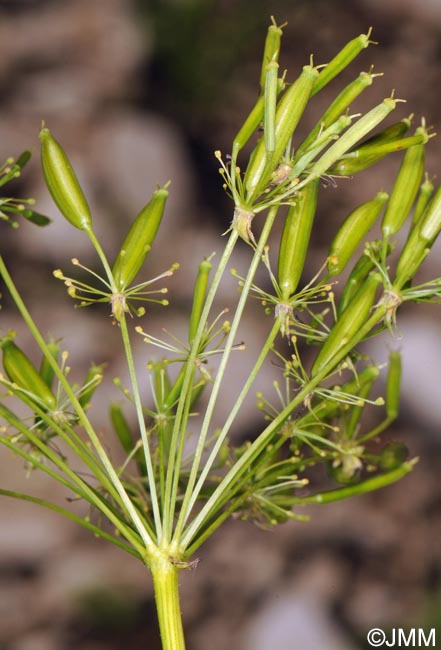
x: 165, y: 581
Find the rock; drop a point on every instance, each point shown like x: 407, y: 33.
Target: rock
x: 298, y: 615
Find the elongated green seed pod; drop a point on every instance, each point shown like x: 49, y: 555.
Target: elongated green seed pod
x: 414, y: 253
x: 139, y: 240
x: 352, y: 164
x: 289, y: 110
x: 341, y: 60
x: 252, y: 122
x: 21, y: 371
x: 199, y: 295
x: 125, y: 437
x: 35, y: 217
x: 161, y: 384
x: 352, y: 232
x: 295, y: 239
x: 122, y: 428
x: 46, y: 371
x: 419, y: 241
x: 355, y: 133
x: 176, y: 387
x: 269, y: 122
x: 63, y: 184
x: 347, y: 326
x: 322, y: 141
x: 357, y: 276
x: 425, y: 193
x: 368, y: 155
x: 393, y: 385
x: 431, y: 221
x: 271, y: 49
x: 404, y: 191
x: 23, y: 158
x: 395, y: 131
x: 175, y: 390
x: 337, y: 108
x: 93, y: 378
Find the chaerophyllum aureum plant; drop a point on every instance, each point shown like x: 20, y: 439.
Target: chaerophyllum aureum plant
x: 168, y: 496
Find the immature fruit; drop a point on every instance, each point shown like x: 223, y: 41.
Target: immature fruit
x: 353, y: 135
x: 341, y: 60
x: 419, y: 241
x: 352, y: 233
x: 46, y: 371
x: 357, y: 276
x: 124, y: 434
x: 63, y: 184
x: 93, y: 378
x: 335, y: 110
x: 367, y: 155
x: 288, y: 113
x: 252, y: 122
x: 405, y: 190
x: 199, y: 295
x: 295, y: 239
x: 425, y: 193
x: 161, y: 384
x: 122, y: 428
x: 271, y: 50
x: 394, y: 131
x: 431, y: 221
x: 139, y: 240
x: 347, y: 326
x: 23, y: 373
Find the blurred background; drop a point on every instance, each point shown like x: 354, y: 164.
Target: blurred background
x: 140, y: 92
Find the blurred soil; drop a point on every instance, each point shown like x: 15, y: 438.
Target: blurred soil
x: 139, y: 93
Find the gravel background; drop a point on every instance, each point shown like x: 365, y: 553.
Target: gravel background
x: 140, y: 92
